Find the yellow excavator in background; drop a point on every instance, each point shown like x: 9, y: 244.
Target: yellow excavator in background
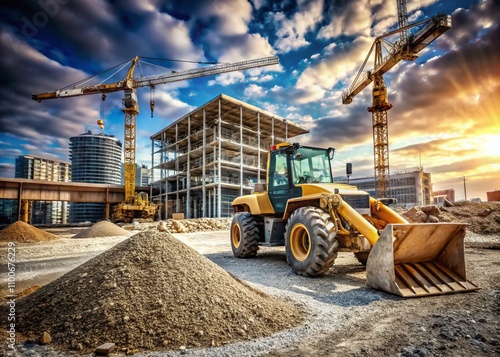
x: 301, y: 208
x: 138, y: 205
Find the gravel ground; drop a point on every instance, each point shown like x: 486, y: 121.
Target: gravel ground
x: 344, y: 317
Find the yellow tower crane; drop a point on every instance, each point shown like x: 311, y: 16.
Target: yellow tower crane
x: 406, y: 48
x: 137, y: 205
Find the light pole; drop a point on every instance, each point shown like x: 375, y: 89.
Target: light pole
x: 465, y: 188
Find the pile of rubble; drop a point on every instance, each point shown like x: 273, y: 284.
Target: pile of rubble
x: 102, y: 229
x: 482, y: 217
x: 150, y: 291
x: 197, y: 225
x: 21, y: 232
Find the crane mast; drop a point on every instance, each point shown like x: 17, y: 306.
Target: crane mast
x: 133, y: 204
x: 402, y: 20
x: 407, y: 48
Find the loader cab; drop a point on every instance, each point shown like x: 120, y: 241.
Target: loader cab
x: 291, y: 165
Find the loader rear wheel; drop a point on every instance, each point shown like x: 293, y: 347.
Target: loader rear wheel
x: 244, y: 235
x: 310, y: 244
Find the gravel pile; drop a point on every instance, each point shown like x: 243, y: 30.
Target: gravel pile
x: 24, y: 233
x: 198, y: 225
x: 151, y: 292
x: 102, y: 229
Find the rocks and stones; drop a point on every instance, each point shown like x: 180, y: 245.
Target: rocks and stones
x: 164, y: 293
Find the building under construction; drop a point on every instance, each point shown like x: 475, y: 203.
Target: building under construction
x: 214, y: 154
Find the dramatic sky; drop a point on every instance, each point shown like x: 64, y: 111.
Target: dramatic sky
x: 446, y: 115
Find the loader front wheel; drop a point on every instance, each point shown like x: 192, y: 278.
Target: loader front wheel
x: 244, y: 235
x: 310, y: 244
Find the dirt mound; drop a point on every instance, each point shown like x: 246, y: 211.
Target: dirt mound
x: 197, y: 225
x: 24, y: 233
x: 150, y: 292
x: 482, y: 217
x: 102, y: 229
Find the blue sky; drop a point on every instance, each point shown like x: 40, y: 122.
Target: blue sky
x: 445, y: 112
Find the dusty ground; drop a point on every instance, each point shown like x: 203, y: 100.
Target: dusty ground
x: 344, y: 318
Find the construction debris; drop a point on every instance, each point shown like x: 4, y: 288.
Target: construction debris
x: 197, y: 225
x: 45, y: 339
x: 162, y: 226
x: 151, y: 291
x: 21, y: 232
x: 102, y: 229
x: 482, y: 217
x: 105, y: 349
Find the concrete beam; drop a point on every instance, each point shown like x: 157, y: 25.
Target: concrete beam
x: 38, y: 190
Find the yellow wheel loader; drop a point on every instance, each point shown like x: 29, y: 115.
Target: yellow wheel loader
x: 301, y: 208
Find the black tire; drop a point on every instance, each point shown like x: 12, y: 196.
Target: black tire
x: 244, y: 235
x: 311, y: 248
x: 362, y: 257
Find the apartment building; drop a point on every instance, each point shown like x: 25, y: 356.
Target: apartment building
x: 35, y: 167
x: 95, y: 158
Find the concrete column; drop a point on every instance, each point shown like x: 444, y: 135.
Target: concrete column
x: 258, y: 147
x: 163, y: 144
x: 64, y: 217
x: 106, y: 211
x: 272, y: 131
x: 241, y: 150
x: 219, y: 171
x: 209, y: 203
x: 204, y: 162
x: 188, y: 173
x: 177, y: 168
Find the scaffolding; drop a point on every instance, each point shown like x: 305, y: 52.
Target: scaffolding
x: 207, y: 158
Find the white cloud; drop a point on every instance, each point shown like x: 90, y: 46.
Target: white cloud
x: 231, y: 16
x: 264, y: 78
x: 291, y: 32
x: 354, y: 18
x: 340, y: 64
x: 227, y: 79
x: 254, y: 91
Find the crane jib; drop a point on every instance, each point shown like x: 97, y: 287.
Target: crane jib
x: 159, y: 79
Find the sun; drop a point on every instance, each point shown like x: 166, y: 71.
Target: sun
x: 490, y: 145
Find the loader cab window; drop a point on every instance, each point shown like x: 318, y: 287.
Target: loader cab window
x: 279, y: 176
x: 311, y: 165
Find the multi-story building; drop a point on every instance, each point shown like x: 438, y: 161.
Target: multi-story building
x: 214, y: 154
x: 40, y: 168
x: 95, y: 158
x: 409, y: 188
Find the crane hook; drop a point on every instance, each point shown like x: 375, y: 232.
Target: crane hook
x: 152, y: 100
x: 100, y: 122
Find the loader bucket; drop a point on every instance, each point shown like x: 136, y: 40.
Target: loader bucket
x: 413, y: 260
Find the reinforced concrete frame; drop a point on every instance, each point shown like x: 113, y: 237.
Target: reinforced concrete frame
x: 217, y: 152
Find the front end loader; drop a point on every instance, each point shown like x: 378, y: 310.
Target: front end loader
x: 301, y: 208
